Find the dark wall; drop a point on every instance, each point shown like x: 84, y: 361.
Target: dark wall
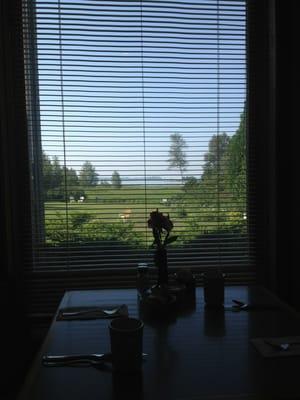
x: 262, y: 169
x: 287, y: 149
x: 14, y: 195
x: 273, y: 143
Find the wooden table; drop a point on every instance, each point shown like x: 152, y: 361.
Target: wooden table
x: 197, y: 354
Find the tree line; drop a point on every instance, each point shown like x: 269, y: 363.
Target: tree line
x: 223, y: 177
x: 220, y: 194
x: 222, y: 183
x: 61, y: 183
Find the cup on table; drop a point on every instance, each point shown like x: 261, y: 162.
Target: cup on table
x: 126, y: 341
x: 213, y: 282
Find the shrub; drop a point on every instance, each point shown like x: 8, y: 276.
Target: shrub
x: 182, y: 213
x: 78, y: 219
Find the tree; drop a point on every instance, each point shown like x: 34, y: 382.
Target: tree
x: 47, y: 172
x: 237, y: 161
x: 72, y: 188
x: 215, y: 171
x: 190, y: 184
x: 222, y: 187
x: 177, y: 156
x: 216, y: 149
x: 53, y: 178
x: 71, y: 178
x: 116, y: 180
x: 57, y: 173
x: 88, y: 175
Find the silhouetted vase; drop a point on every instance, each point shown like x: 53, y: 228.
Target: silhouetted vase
x: 161, y: 262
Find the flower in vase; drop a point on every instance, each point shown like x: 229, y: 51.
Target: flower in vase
x: 161, y: 226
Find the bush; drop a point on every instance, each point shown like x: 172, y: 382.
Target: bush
x: 56, y: 230
x: 117, y: 231
x: 78, y: 219
x: 191, y: 184
x: 182, y: 213
x: 81, y: 229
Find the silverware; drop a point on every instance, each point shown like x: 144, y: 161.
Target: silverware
x: 82, y: 359
x: 278, y: 346
x: 90, y: 311
x: 240, y: 305
x: 281, y: 346
x: 77, y: 359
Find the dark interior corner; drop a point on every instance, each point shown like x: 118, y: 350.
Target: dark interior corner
x: 275, y: 112
x: 275, y: 85
x: 287, y: 194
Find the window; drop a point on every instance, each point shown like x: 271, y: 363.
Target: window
x: 133, y: 106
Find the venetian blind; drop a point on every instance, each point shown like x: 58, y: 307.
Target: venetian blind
x: 134, y: 106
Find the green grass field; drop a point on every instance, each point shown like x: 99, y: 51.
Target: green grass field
x: 108, y: 204
x: 129, y: 204
x: 124, y: 213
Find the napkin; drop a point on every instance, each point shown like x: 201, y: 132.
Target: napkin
x: 266, y: 350
x: 92, y: 312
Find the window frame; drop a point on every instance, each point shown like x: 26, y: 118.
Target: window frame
x: 113, y: 278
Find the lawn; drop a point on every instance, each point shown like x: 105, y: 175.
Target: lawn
x: 130, y: 204
x: 123, y: 213
x: 108, y: 204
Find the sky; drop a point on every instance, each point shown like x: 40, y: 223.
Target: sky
x: 117, y: 78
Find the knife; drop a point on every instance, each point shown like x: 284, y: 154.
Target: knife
x: 240, y: 305
x: 76, y: 358
x: 56, y: 360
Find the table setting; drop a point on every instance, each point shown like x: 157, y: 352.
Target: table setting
x: 175, y: 339
x: 191, y: 347
x: 92, y: 312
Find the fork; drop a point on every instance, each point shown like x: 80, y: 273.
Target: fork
x: 280, y: 346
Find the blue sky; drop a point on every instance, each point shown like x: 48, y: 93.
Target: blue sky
x: 117, y: 79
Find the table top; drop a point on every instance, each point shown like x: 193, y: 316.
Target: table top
x: 193, y: 354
